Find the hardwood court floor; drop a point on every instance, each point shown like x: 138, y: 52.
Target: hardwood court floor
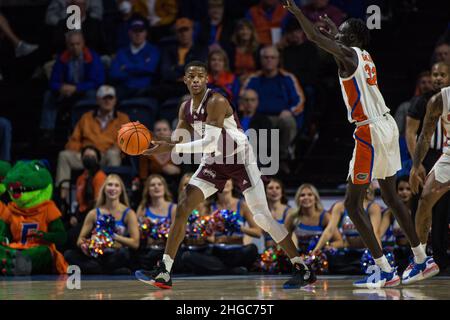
x: 217, y: 287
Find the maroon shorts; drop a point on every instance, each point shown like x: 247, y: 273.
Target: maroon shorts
x: 211, y: 178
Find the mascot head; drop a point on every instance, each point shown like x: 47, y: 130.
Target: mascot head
x: 29, y: 183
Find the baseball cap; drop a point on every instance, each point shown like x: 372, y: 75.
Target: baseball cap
x: 106, y: 90
x: 137, y: 24
x: 183, y: 23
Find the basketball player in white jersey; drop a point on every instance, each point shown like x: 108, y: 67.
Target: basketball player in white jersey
x: 211, y: 117
x: 437, y: 183
x: 377, y: 152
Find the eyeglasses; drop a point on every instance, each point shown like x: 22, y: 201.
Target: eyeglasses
x: 270, y: 57
x: 108, y: 97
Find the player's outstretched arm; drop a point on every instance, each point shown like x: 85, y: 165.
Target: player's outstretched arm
x: 216, y: 110
x: 325, y: 41
x: 434, y: 111
x: 166, y: 144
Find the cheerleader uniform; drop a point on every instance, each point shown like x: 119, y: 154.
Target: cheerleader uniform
x: 113, y: 261
x: 307, y: 234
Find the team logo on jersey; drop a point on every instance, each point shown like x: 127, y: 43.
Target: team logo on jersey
x: 362, y: 176
x: 210, y: 173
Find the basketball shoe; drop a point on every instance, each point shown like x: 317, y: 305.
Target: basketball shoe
x: 420, y: 271
x: 380, y: 280
x: 158, y: 277
x: 301, y: 277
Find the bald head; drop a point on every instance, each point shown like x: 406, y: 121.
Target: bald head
x: 440, y: 75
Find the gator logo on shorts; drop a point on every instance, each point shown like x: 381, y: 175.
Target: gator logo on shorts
x: 362, y: 176
x: 210, y: 173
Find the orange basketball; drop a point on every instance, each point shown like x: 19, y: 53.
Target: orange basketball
x: 133, y: 138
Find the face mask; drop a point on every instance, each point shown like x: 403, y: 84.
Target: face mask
x: 90, y: 163
x: 125, y: 7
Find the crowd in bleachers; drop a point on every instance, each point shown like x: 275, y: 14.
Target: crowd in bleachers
x: 127, y: 63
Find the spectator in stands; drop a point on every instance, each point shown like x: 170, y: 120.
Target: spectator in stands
x: 133, y: 70
x: 175, y: 57
x: 319, y: 8
x: 442, y: 52
x: 91, y: 24
x: 5, y: 139
x: 98, y: 128
x: 77, y: 73
x: 219, y: 75
x: 281, y: 98
x: 122, y: 38
x: 423, y: 85
x: 156, y: 204
x: 243, y: 50
x: 159, y: 163
x: 160, y: 13
x: 21, y: 48
x: 88, y: 187
x: 268, y: 17
x: 249, y: 116
x: 214, y: 29
x: 56, y: 10
x: 309, y: 220
x: 113, y: 201
x: 301, y: 58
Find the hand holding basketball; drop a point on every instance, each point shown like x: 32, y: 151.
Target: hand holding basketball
x: 159, y: 146
x: 133, y: 138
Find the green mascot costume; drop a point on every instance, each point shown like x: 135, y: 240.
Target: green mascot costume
x: 31, y: 226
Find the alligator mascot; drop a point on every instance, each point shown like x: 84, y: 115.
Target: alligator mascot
x: 30, y: 226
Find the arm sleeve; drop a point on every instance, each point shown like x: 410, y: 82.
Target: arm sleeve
x: 207, y: 144
x: 115, y: 72
x: 56, y: 233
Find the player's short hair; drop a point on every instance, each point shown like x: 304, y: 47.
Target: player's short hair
x: 196, y: 63
x: 360, y: 30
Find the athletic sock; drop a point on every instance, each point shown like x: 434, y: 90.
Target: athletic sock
x: 424, y: 246
x: 383, y: 263
x: 299, y: 260
x: 419, y: 254
x: 168, y: 261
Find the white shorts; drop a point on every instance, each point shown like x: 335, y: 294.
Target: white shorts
x: 377, y: 151
x: 442, y: 169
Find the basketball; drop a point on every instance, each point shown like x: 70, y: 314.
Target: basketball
x: 133, y: 138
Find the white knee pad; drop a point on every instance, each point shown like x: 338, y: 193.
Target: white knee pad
x: 257, y: 203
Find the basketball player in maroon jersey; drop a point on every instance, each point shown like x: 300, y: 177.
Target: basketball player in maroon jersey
x: 210, y: 115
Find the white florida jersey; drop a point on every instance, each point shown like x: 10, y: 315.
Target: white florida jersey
x: 446, y: 117
x: 360, y: 91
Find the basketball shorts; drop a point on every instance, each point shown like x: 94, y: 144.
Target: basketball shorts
x: 377, y: 151
x: 211, y: 176
x: 442, y: 169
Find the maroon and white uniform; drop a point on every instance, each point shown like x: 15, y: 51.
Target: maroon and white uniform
x: 233, y: 159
